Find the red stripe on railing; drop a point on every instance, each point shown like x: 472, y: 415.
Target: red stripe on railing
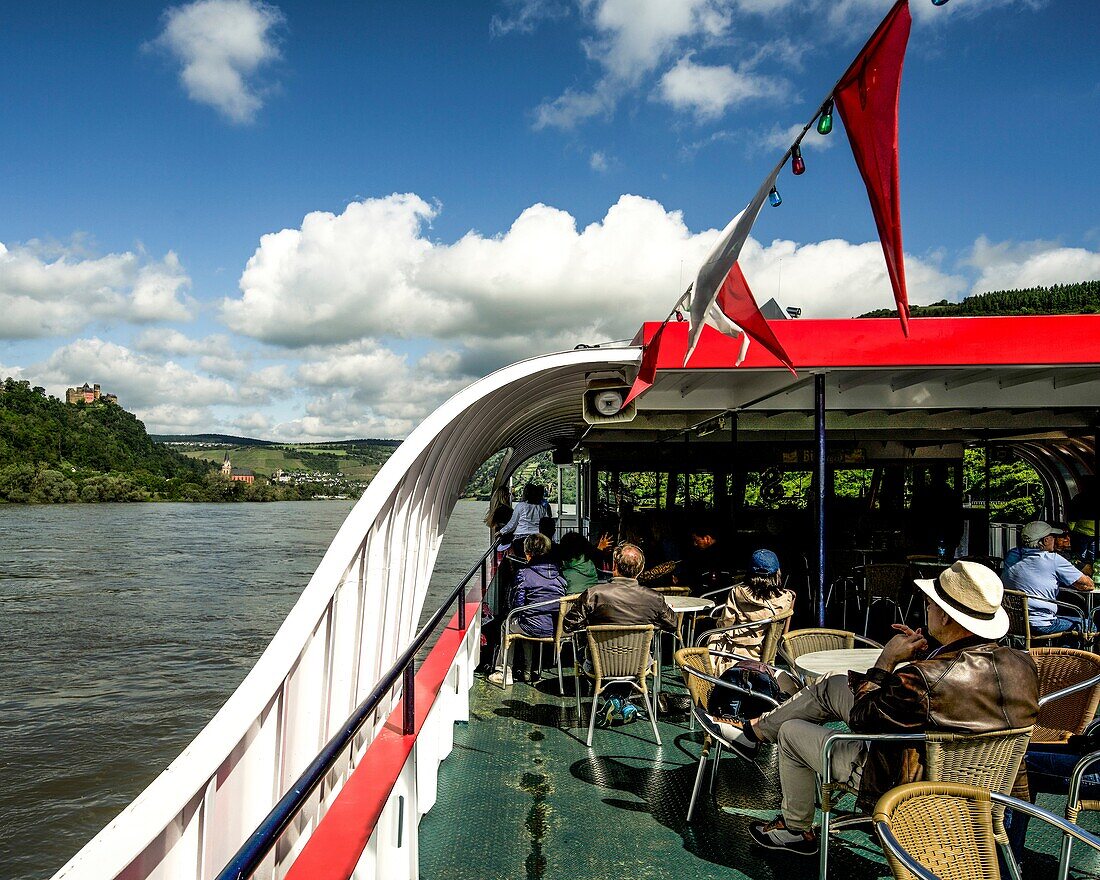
x: 336, y: 845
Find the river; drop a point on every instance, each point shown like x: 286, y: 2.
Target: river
x: 125, y: 627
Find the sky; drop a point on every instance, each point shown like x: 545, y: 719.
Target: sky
x: 313, y: 221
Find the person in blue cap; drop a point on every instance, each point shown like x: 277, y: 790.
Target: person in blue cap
x: 759, y: 597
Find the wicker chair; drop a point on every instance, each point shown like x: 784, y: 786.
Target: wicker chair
x: 946, y: 831
x: 672, y: 591
x: 991, y: 760
x: 886, y: 582
x: 698, y: 671
x: 509, y: 636
x: 772, y: 627
x: 621, y: 655
x: 561, y: 637
x: 1076, y: 805
x: 1069, y: 692
x: 1019, y: 620
x: 806, y: 641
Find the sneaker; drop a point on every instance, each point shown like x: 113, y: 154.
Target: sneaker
x: 733, y: 730
x: 499, y: 677
x: 612, y: 712
x: 629, y: 712
x: 774, y: 835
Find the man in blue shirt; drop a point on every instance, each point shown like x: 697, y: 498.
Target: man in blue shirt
x: 1041, y: 573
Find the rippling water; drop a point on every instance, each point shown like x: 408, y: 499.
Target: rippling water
x: 124, y: 628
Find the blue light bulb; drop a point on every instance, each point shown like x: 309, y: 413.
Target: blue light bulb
x: 775, y: 198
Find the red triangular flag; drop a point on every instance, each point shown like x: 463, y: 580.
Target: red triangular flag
x: 867, y: 99
x: 647, y: 369
x: 739, y: 305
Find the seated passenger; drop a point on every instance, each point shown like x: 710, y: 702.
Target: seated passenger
x: 969, y: 685
x: 705, y: 566
x: 578, y: 562
x: 538, y: 581
x: 1041, y: 573
x: 622, y: 600
x: 760, y: 597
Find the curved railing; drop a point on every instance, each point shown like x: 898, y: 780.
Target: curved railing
x: 252, y: 854
x: 353, y: 620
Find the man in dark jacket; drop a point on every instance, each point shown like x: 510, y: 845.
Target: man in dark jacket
x: 622, y: 600
x: 969, y: 685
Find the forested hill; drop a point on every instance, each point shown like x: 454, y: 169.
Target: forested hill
x: 51, y: 451
x: 1082, y: 298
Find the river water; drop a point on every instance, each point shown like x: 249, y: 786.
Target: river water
x: 124, y: 628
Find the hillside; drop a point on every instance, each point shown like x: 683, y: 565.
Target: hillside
x: 53, y: 452
x: 1061, y: 299
x: 355, y: 459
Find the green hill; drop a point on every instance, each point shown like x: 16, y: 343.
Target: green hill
x: 355, y: 459
x: 1082, y: 298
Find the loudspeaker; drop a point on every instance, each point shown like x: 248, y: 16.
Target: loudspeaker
x: 603, y: 402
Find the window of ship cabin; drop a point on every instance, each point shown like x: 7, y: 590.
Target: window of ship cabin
x: 657, y: 490
x: 774, y: 488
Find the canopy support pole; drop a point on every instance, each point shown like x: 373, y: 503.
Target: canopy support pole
x: 819, y: 511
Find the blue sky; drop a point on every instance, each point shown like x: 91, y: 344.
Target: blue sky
x: 316, y: 220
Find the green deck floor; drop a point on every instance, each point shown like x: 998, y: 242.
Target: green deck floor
x: 522, y: 797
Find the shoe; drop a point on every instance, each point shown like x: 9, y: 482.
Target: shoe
x: 499, y: 677
x: 611, y: 713
x: 629, y: 712
x: 733, y: 731
x: 774, y: 835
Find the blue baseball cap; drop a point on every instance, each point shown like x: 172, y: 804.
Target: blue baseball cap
x: 764, y: 562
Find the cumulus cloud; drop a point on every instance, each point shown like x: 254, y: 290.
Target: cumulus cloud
x: 839, y: 279
x: 1009, y: 265
x: 139, y: 380
x: 220, y: 46
x: 164, y: 340
x: 371, y: 272
x: 709, y: 91
x: 51, y: 291
x: 630, y: 40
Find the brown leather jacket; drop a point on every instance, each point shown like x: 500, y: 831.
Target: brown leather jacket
x: 621, y: 601
x: 969, y: 686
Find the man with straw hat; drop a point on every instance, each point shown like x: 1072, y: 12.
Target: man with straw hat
x: 969, y: 684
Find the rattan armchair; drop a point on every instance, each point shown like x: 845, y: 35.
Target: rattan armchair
x: 807, y: 641
x: 698, y: 671
x: 946, y: 831
x: 508, y: 636
x: 1076, y: 805
x: 887, y: 582
x: 621, y: 655
x: 771, y: 627
x: 991, y: 760
x: 1015, y: 604
x: 1069, y: 692
x: 561, y: 637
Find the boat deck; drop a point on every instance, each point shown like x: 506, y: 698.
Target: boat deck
x: 522, y: 797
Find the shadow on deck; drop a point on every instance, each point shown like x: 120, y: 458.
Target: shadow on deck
x: 522, y: 797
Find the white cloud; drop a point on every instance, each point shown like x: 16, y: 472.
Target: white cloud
x: 778, y: 138
x: 164, y: 340
x: 1006, y: 265
x: 370, y: 272
x: 839, y: 279
x: 60, y: 290
x: 631, y: 39
x: 709, y: 91
x: 524, y: 16
x: 598, y: 161
x: 846, y: 13
x: 221, y: 44
x: 140, y: 381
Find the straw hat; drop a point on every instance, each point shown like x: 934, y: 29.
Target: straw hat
x: 971, y: 595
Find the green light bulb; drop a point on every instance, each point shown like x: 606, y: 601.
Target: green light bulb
x: 825, y: 120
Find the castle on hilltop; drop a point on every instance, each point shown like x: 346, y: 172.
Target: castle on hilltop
x: 86, y: 394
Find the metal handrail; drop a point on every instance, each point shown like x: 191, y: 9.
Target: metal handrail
x: 256, y: 848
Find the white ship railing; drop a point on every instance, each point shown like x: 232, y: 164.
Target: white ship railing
x: 352, y: 621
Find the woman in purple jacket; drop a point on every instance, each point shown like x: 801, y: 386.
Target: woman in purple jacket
x: 538, y: 581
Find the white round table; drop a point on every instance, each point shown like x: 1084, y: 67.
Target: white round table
x: 687, y: 604
x: 818, y: 664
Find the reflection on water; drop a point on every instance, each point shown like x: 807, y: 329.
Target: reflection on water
x: 124, y: 628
